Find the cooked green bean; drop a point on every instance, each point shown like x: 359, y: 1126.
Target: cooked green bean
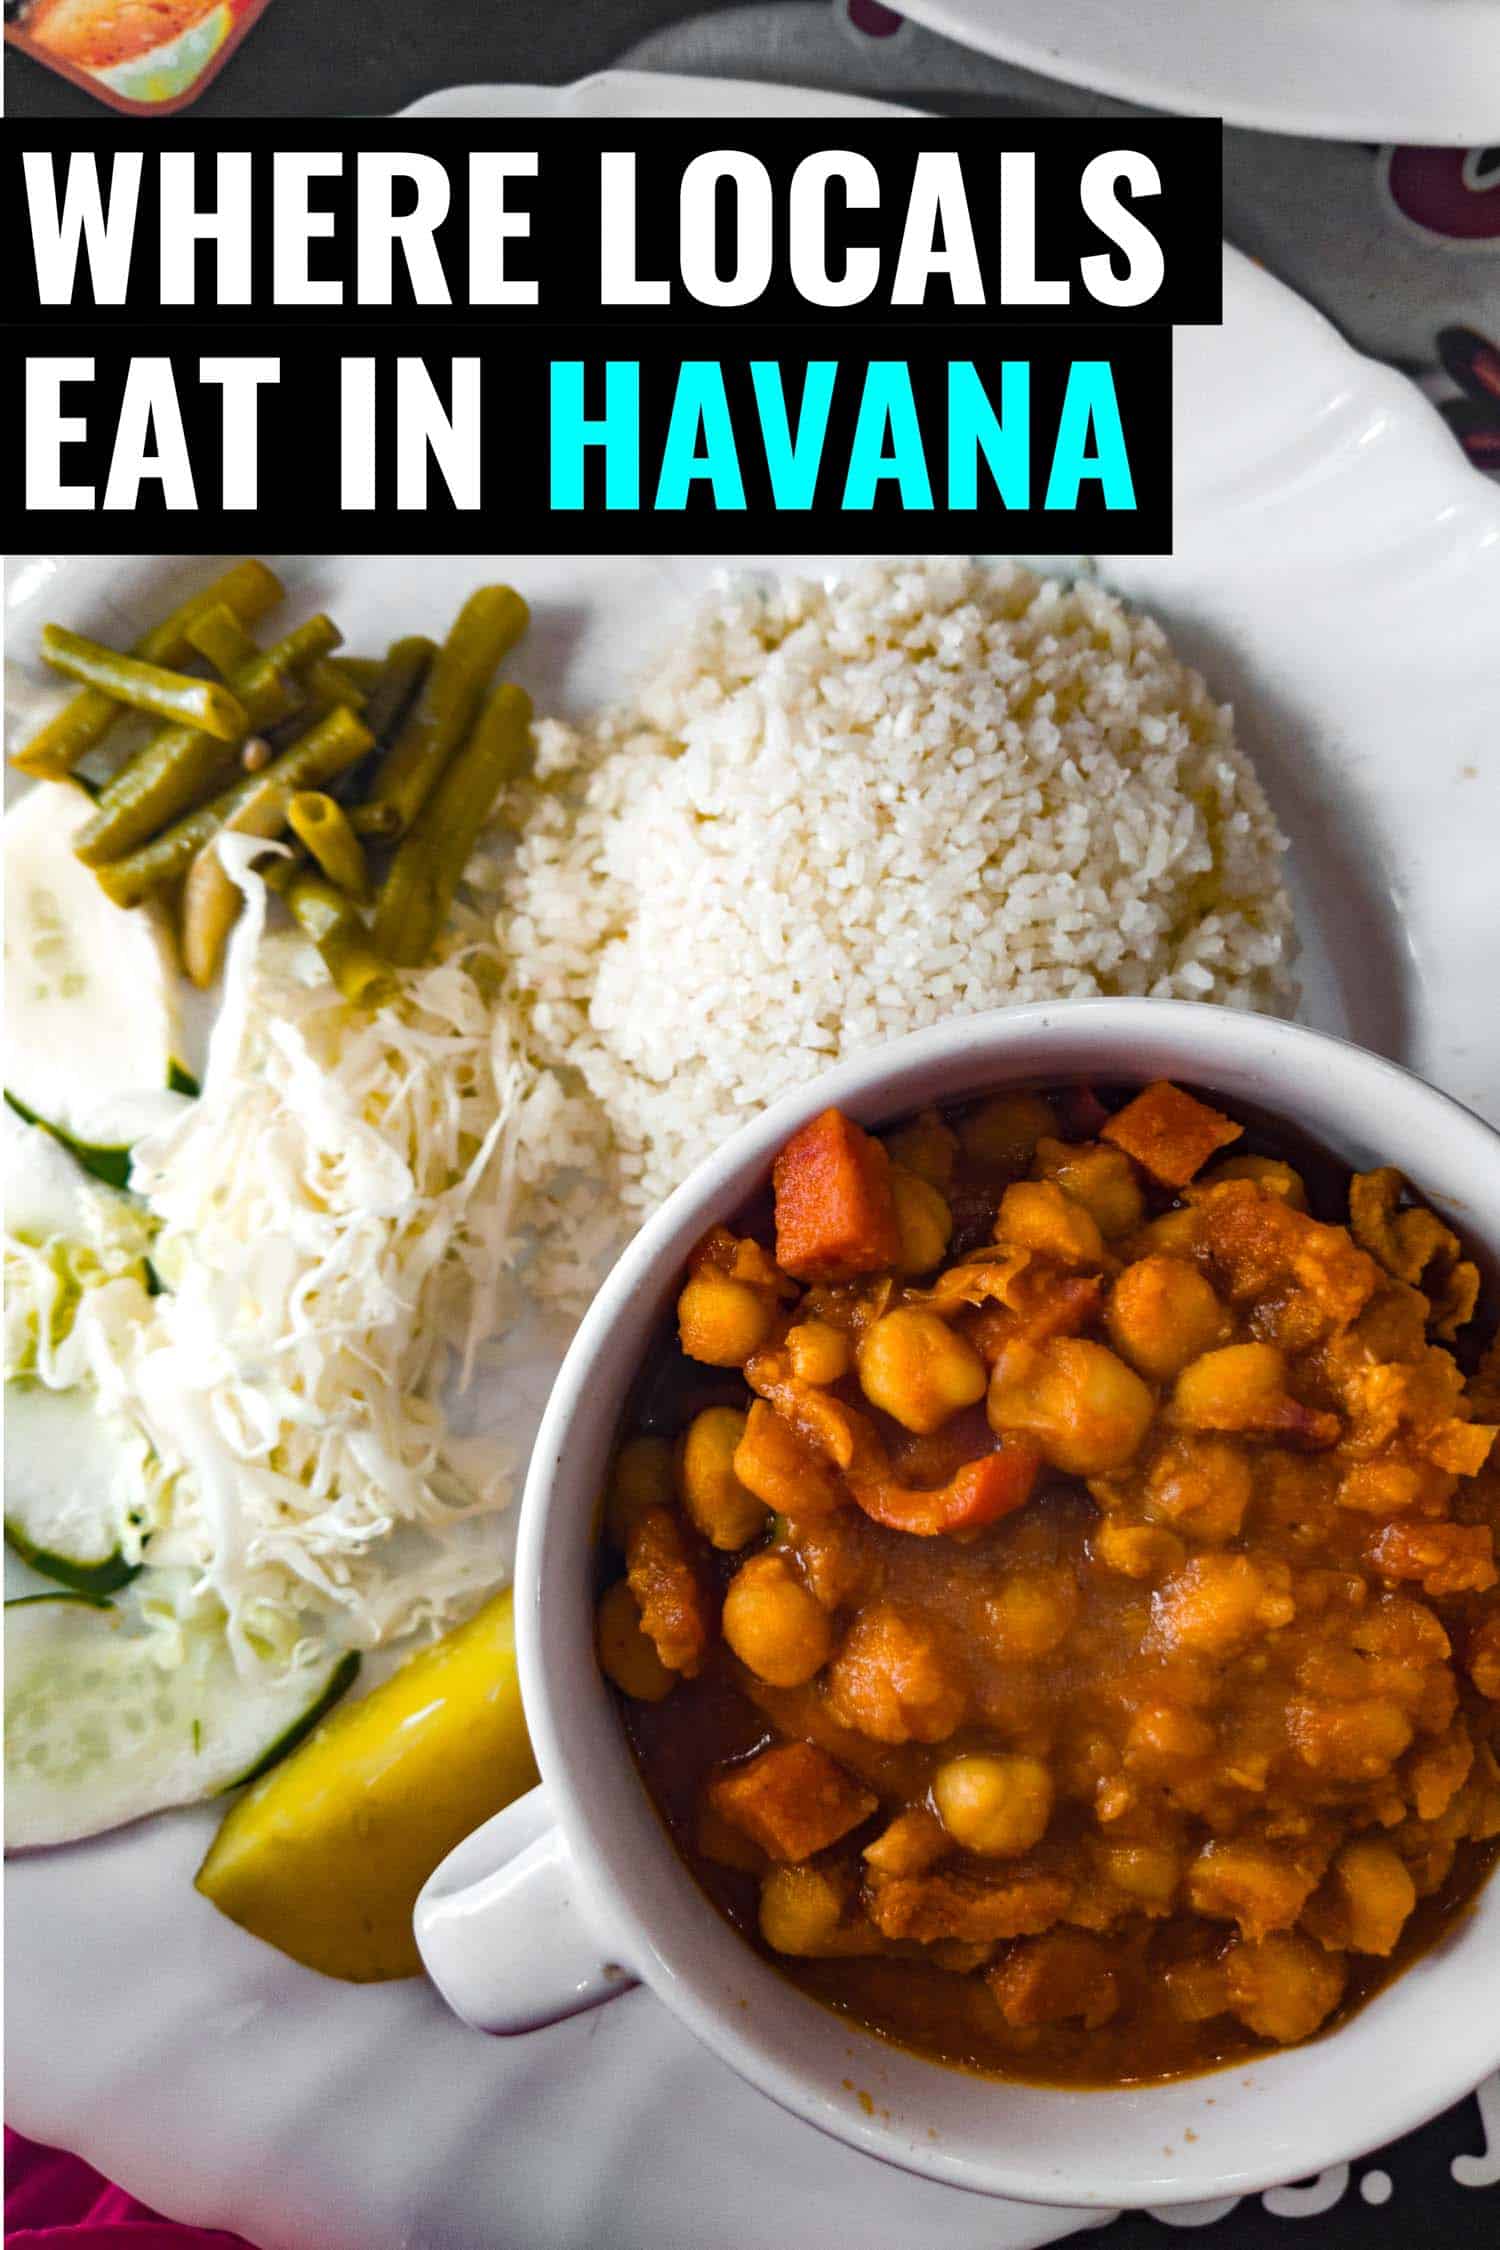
x: 422, y: 878
x: 219, y: 635
x: 248, y: 591
x: 380, y: 823
x: 323, y: 825
x: 181, y: 766
x: 302, y: 647
x: 490, y: 622
x: 404, y: 669
x: 70, y: 734
x: 174, y: 771
x: 364, y: 671
x: 328, y: 687
x: 174, y: 696
x: 322, y: 911
x: 211, y: 898
x: 322, y: 687
x: 326, y: 750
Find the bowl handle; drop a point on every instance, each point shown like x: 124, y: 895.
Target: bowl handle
x: 505, y: 1931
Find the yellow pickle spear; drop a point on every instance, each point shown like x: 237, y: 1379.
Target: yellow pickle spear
x: 324, y: 1857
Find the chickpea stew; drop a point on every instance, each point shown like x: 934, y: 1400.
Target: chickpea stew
x: 1059, y: 1622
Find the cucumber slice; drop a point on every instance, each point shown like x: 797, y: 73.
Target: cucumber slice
x: 71, y: 1480
x: 45, y: 1192
x: 91, y: 1022
x: 114, y: 1130
x: 97, y: 1732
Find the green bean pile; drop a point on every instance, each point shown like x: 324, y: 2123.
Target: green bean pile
x: 375, y: 773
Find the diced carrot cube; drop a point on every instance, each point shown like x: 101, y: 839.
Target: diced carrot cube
x: 835, y: 1212
x: 1169, y: 1134
x: 792, y: 1800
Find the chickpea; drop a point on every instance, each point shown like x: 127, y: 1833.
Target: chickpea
x: 1218, y: 1604
x: 801, y: 1913
x: 1366, y: 1900
x: 1148, y: 1874
x: 914, y: 1841
x: 925, y: 1147
x: 1349, y: 1741
x: 1164, y: 1738
x: 819, y: 1352
x: 1230, y: 1389
x: 899, y: 1677
x: 1261, y: 1885
x: 640, y: 1478
x: 799, y: 1910
x: 998, y: 1805
x: 1005, y: 1130
x: 1136, y: 1550
x: 1201, y: 1484
x: 923, y: 1221
x: 918, y: 1370
x: 1284, y: 1986
x: 1266, y: 1171
x: 773, y: 1624
x: 1030, y: 1615
x: 1174, y: 1232
x: 1161, y: 1314
x: 1036, y: 1215
x: 727, y: 1515
x: 1101, y: 1179
x: 626, y: 1653
x: 1086, y: 1409
x: 723, y: 1321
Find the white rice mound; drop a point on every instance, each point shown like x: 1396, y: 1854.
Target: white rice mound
x: 838, y: 812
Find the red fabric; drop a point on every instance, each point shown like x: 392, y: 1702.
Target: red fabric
x: 54, y: 2201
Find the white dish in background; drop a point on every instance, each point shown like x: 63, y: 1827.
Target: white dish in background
x: 647, y: 93
x: 1338, y: 573
x: 1343, y: 70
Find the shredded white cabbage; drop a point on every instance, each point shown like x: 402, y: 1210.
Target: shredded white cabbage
x: 76, y: 1304
x: 348, y: 1223
x: 72, y: 1301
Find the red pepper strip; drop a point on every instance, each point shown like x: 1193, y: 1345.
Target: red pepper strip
x: 980, y: 1492
x: 1305, y: 1428
x: 1065, y: 1307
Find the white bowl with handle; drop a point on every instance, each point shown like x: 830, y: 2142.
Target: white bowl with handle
x: 576, y: 1892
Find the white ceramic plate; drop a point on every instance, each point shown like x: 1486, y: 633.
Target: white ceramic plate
x: 1351, y: 70
x: 1338, y: 572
